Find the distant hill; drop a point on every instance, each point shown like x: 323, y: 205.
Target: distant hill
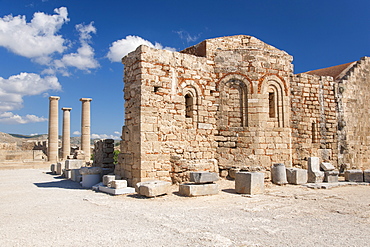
x: 18, y: 138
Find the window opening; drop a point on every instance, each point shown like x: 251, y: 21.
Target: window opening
x: 189, y: 106
x: 272, y: 112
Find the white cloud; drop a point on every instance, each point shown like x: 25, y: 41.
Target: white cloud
x: 121, y: 48
x: 77, y: 133
x: 36, y: 39
x: 13, y: 89
x: 184, y: 35
x: 84, y: 58
x: 11, y: 118
x: 105, y: 136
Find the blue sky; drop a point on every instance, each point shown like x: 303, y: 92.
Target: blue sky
x: 72, y: 48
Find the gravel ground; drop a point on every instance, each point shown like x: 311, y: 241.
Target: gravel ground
x: 39, y: 209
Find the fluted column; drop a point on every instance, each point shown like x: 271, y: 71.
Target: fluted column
x: 85, y: 127
x: 66, y: 135
x: 53, y: 129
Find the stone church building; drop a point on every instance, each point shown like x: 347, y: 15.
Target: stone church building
x: 235, y: 102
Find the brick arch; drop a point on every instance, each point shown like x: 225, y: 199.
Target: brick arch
x: 234, y: 100
x: 236, y: 76
x: 274, y: 84
x: 262, y: 83
x: 191, y: 88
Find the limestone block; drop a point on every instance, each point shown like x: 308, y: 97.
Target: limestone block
x: 249, y: 183
x: 60, y: 167
x: 153, y: 188
x: 198, y: 189
x: 67, y: 174
x: 74, y: 164
x: 331, y: 176
x: 232, y: 172
x: 315, y: 177
x: 296, y: 176
x: 278, y: 174
x: 75, y: 175
x: 53, y: 169
x: 89, y: 180
x: 114, y: 191
x: 90, y: 170
x: 314, y: 173
x: 354, y: 176
x: 325, y: 166
x: 203, y: 177
x: 107, y: 179
x: 118, y: 184
x: 367, y: 176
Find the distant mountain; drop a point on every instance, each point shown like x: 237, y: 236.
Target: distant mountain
x: 18, y: 138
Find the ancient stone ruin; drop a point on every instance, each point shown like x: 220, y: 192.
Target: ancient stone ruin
x: 235, y: 103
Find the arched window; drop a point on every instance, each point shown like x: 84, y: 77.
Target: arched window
x: 275, y: 104
x: 272, y: 104
x: 189, y: 105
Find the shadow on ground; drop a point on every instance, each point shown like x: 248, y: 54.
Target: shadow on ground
x: 64, y: 184
x: 230, y: 191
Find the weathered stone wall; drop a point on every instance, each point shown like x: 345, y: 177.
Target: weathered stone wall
x: 103, y: 153
x: 313, y: 119
x: 25, y: 155
x: 354, y: 98
x: 228, y: 104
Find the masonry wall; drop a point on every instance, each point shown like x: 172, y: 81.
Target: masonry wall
x: 248, y: 71
x: 354, y: 97
x: 314, y: 119
x: 223, y: 103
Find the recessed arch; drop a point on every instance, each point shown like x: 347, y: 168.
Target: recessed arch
x: 233, y: 90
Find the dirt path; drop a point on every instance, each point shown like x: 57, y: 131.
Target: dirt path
x: 38, y: 209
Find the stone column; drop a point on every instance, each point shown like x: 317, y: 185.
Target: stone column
x: 85, y: 127
x: 53, y: 129
x: 66, y: 135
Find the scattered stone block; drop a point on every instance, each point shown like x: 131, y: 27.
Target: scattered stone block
x: 153, y: 188
x: 296, y: 176
x: 314, y: 173
x: 74, y: 164
x: 278, y: 174
x: 90, y: 176
x: 67, y: 174
x: 198, y: 189
x: 326, y: 166
x: 107, y: 179
x: 203, y: 177
x: 367, y: 176
x: 331, y: 176
x: 90, y: 170
x: 113, y: 191
x: 53, y: 169
x: 118, y: 184
x: 354, y: 176
x: 75, y: 175
x: 232, y: 172
x: 223, y: 173
x: 60, y: 168
x: 249, y: 183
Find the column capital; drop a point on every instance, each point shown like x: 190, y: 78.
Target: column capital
x: 54, y: 98
x: 86, y: 99
x: 66, y: 108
